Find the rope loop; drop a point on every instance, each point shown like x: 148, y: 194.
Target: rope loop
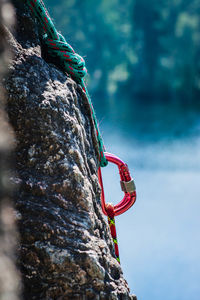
x: 73, y: 63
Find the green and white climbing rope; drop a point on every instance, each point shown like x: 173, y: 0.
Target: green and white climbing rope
x: 74, y: 65
x: 71, y: 62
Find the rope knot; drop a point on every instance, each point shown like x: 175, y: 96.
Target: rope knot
x: 74, y: 64
x: 110, y: 210
x: 69, y: 61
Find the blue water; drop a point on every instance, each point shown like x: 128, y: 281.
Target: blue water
x: 159, y: 236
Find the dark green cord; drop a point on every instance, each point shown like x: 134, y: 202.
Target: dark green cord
x: 72, y: 63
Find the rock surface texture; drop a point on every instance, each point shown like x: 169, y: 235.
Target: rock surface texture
x: 66, y: 250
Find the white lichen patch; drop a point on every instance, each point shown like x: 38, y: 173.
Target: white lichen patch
x: 47, y: 165
x: 78, y: 158
x: 61, y: 152
x: 64, y: 164
x: 78, y: 175
x: 57, y: 157
x: 65, y: 185
x: 31, y: 151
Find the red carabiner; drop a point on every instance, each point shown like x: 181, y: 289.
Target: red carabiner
x: 127, y: 185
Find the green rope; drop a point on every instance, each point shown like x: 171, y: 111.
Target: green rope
x: 72, y: 63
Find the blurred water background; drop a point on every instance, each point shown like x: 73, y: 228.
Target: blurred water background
x: 143, y: 60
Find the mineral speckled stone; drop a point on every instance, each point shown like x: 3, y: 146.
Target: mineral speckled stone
x: 66, y: 251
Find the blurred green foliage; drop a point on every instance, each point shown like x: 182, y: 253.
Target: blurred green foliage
x: 136, y: 51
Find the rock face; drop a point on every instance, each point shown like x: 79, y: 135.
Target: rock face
x: 66, y: 250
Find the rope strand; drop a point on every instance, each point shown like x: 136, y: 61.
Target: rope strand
x: 72, y: 63
x: 111, y: 223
